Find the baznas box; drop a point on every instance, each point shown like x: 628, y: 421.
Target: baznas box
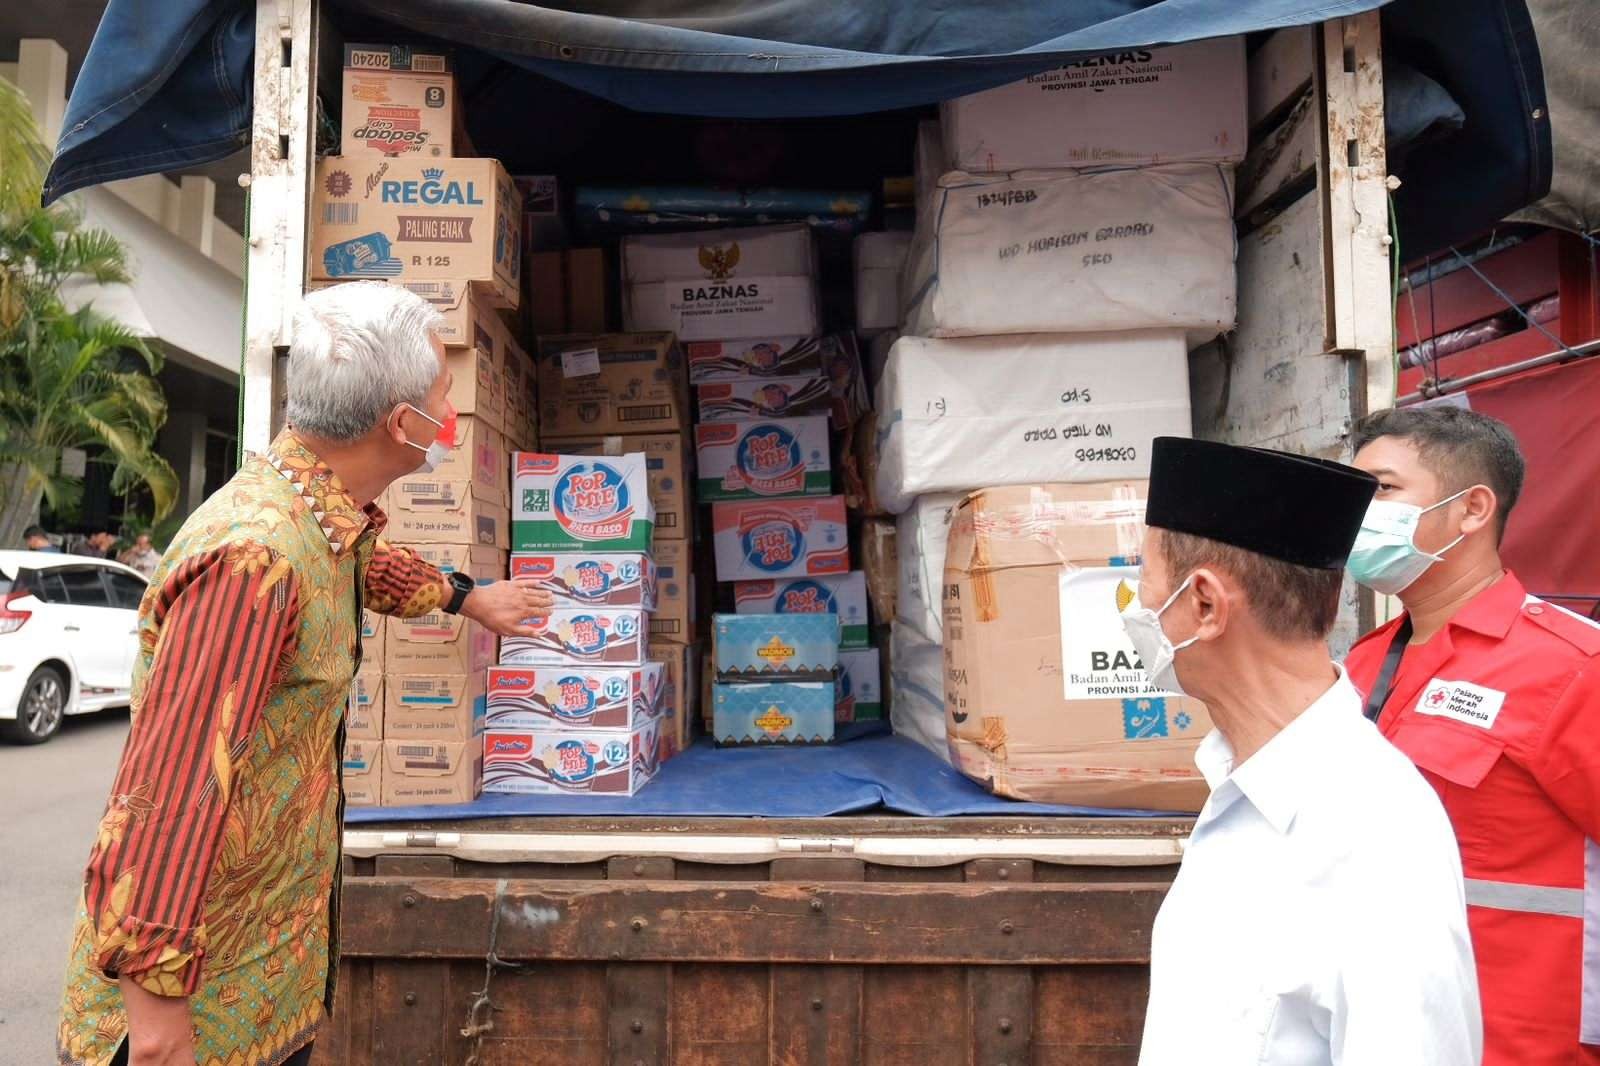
x: 580, y: 503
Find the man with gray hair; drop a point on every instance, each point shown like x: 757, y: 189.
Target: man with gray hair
x: 210, y: 903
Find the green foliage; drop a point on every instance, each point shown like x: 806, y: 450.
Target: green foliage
x: 68, y: 378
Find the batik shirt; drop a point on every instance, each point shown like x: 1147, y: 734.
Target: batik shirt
x: 215, y: 870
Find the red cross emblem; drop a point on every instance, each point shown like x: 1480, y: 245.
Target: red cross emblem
x: 1437, y: 697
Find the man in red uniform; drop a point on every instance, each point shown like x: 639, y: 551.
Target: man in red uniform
x: 1495, y: 695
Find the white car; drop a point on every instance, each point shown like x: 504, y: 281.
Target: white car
x: 68, y: 637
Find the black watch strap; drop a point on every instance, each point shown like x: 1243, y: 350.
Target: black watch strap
x: 460, y: 585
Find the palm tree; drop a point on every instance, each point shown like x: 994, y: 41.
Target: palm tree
x: 68, y: 379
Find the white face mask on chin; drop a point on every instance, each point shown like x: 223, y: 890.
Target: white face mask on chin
x: 1149, y: 640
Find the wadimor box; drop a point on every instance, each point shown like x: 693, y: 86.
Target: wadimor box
x: 753, y: 399
x: 592, y: 579
x: 556, y: 761
x: 767, y: 358
x: 858, y: 686
x: 433, y: 706
x: 427, y: 510
x: 416, y: 220
x: 844, y: 596
x: 601, y: 383
x: 609, y: 636
x: 775, y: 647
x: 676, y: 608
x: 582, y: 697
x: 480, y: 457
x: 760, y: 539
x: 399, y: 101
x: 753, y: 460
x: 790, y: 712
x: 679, y: 694
x: 364, y: 718
x: 669, y: 464
x: 420, y: 773
x: 566, y: 502
x: 363, y: 771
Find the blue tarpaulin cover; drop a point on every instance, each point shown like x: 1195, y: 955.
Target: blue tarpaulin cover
x: 884, y: 773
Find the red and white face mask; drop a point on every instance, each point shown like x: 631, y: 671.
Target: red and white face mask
x: 443, y: 441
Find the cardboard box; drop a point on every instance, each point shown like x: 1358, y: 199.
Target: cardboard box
x: 362, y: 776
x: 588, y: 291
x: 372, y: 630
x: 761, y: 539
x: 398, y: 103
x: 418, y: 219
x: 680, y: 694
x: 1130, y: 108
x: 546, y: 298
x: 364, y: 718
x: 467, y: 307
x: 579, y: 502
x: 591, y: 384
x: 717, y: 284
x: 844, y: 597
x: 558, y: 762
x: 756, y: 460
x: 670, y: 466
x: 780, y: 713
x: 593, y: 579
x: 858, y: 688
x: 522, y: 407
x: 1034, y: 575
x: 594, y: 636
x: 420, y: 773
x: 754, y: 357
x: 543, y: 228
x: 426, y: 510
x: 479, y: 457
x: 476, y: 386
x: 753, y: 399
x: 433, y: 706
x: 440, y: 643
x: 676, y: 602
x: 880, y: 562
x: 775, y: 647
x: 529, y: 697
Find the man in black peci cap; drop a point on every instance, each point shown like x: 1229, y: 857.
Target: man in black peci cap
x: 1318, y: 914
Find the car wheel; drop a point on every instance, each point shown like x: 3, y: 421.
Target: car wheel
x: 43, y: 706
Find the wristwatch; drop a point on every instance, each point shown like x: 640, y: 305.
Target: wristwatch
x: 461, y: 584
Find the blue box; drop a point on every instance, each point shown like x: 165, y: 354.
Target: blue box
x: 785, y: 712
x: 775, y: 647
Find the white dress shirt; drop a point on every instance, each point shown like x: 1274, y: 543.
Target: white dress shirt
x: 1318, y: 916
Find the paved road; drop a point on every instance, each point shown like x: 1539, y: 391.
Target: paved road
x: 51, y: 797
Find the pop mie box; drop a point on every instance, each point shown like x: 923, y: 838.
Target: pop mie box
x: 398, y: 102
x: 844, y: 596
x: 766, y: 358
x: 580, y: 502
x: 753, y: 399
x: 759, y: 539
x: 596, y: 636
x: 533, y: 697
x: 775, y: 647
x: 418, y: 219
x: 592, y: 579
x: 787, y: 712
x: 559, y: 762
x: 670, y: 466
x: 760, y: 460
x: 858, y: 686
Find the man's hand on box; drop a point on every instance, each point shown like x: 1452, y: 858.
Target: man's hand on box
x: 506, y: 607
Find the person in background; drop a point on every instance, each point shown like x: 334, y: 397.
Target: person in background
x: 1317, y: 916
x: 142, y: 556
x: 212, y: 889
x: 1495, y: 695
x: 35, y: 539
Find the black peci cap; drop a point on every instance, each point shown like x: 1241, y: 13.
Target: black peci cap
x: 1290, y: 507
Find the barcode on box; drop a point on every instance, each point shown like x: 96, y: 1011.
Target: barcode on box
x: 428, y: 64
x: 664, y: 627
x: 649, y: 413
x: 666, y: 519
x: 341, y: 214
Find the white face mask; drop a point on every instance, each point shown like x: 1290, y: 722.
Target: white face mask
x: 1158, y: 654
x: 1385, y: 557
x: 435, y: 453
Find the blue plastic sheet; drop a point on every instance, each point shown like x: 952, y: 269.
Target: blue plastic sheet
x: 878, y: 773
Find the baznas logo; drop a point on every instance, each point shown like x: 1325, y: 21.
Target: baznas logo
x: 572, y: 762
x: 719, y: 262
x: 591, y: 502
x: 806, y: 597
x: 1125, y: 596
x: 773, y: 545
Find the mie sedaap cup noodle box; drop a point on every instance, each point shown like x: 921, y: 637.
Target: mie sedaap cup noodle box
x: 592, y: 579
x: 752, y: 399
x: 398, y: 101
x: 598, y: 636
x: 844, y: 596
x: 580, y: 502
x: 778, y: 457
x: 577, y: 696
x: 771, y: 539
x: 558, y: 761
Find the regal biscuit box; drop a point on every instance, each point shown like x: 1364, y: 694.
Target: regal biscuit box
x: 433, y: 706
x: 596, y: 636
x: 533, y: 697
x: 398, y: 102
x: 558, y: 762
x: 858, y: 686
x: 362, y: 778
x: 753, y: 399
x: 670, y: 465
x: 761, y: 539
x: 675, y: 614
x: 420, y: 773
x: 594, y: 384
x: 418, y: 220
x: 481, y: 457
x: 775, y: 647
x: 592, y: 579
x: 844, y: 596
x: 679, y: 694
x: 719, y: 284
x: 752, y: 460
x: 754, y: 357
x: 427, y: 510
x: 365, y: 715
x: 567, y: 502
x: 790, y: 712
x: 1037, y: 574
